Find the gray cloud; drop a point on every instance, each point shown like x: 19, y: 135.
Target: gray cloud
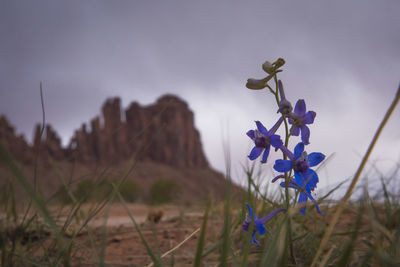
x: 342, y: 57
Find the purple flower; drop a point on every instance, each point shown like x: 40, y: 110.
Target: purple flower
x: 305, y: 178
x: 263, y: 139
x: 258, y: 223
x: 299, y: 119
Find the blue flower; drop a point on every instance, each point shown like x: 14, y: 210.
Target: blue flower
x: 258, y: 223
x: 263, y: 139
x: 305, y: 178
x: 299, y: 118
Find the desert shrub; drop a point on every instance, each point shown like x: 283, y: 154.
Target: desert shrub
x: 130, y: 191
x: 84, y: 190
x: 164, y: 191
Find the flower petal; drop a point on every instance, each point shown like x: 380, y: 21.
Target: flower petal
x: 315, y: 158
x: 311, y: 179
x: 261, y: 228
x: 277, y: 177
x: 302, y: 200
x: 271, y: 215
x: 275, y: 141
x: 250, y: 210
x: 299, y: 179
x: 300, y: 108
x: 315, y: 202
x: 245, y: 226
x: 305, y: 134
x: 256, y: 84
x: 253, y: 239
x: 282, y: 165
x: 317, y: 207
x: 298, y: 150
x: 261, y: 128
x: 295, y: 130
x: 287, y: 152
x: 265, y: 155
x: 251, y: 134
x: 309, y: 117
x: 276, y: 126
x: 291, y: 185
x: 255, y: 152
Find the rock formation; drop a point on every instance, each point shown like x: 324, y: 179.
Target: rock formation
x: 163, y: 132
x: 14, y: 143
x: 161, y: 138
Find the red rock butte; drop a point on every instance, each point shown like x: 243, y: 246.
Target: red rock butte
x: 163, y: 132
x: 159, y: 139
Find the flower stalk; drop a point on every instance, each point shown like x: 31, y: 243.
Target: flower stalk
x: 298, y: 162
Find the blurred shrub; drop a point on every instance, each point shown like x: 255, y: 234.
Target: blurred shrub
x: 164, y: 191
x: 130, y: 191
x: 86, y: 190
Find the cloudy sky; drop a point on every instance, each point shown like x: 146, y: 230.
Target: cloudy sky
x: 343, y: 58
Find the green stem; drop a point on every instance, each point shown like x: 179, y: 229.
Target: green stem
x: 287, y: 176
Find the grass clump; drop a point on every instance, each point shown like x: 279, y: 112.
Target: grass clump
x: 84, y: 192
x: 130, y: 191
x: 164, y: 191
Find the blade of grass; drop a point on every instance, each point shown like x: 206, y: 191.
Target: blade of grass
x: 37, y: 199
x: 103, y: 246
x: 333, y: 190
x: 177, y: 246
x: 274, y: 250
x: 225, y: 233
x: 227, y: 216
x: 200, y: 243
x: 346, y: 197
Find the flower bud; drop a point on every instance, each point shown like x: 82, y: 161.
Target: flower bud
x: 268, y: 67
x: 279, y: 63
x: 285, y: 107
x: 256, y: 84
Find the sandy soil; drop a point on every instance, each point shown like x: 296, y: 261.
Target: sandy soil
x: 123, y: 245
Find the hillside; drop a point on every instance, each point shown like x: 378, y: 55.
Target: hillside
x: 154, y: 142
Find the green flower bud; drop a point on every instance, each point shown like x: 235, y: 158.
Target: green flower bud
x: 268, y: 67
x: 279, y: 63
x: 256, y: 84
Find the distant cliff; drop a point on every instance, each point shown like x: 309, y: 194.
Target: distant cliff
x: 163, y: 132
x: 160, y: 138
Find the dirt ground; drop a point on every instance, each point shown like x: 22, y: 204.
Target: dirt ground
x: 171, y: 231
x: 123, y: 246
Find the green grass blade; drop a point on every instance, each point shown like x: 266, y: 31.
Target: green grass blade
x: 200, y: 244
x: 226, y: 229
x: 274, y: 250
x: 37, y: 199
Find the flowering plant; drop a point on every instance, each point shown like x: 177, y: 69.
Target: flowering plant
x: 295, y: 167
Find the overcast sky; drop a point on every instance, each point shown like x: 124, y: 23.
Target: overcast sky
x: 343, y: 58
